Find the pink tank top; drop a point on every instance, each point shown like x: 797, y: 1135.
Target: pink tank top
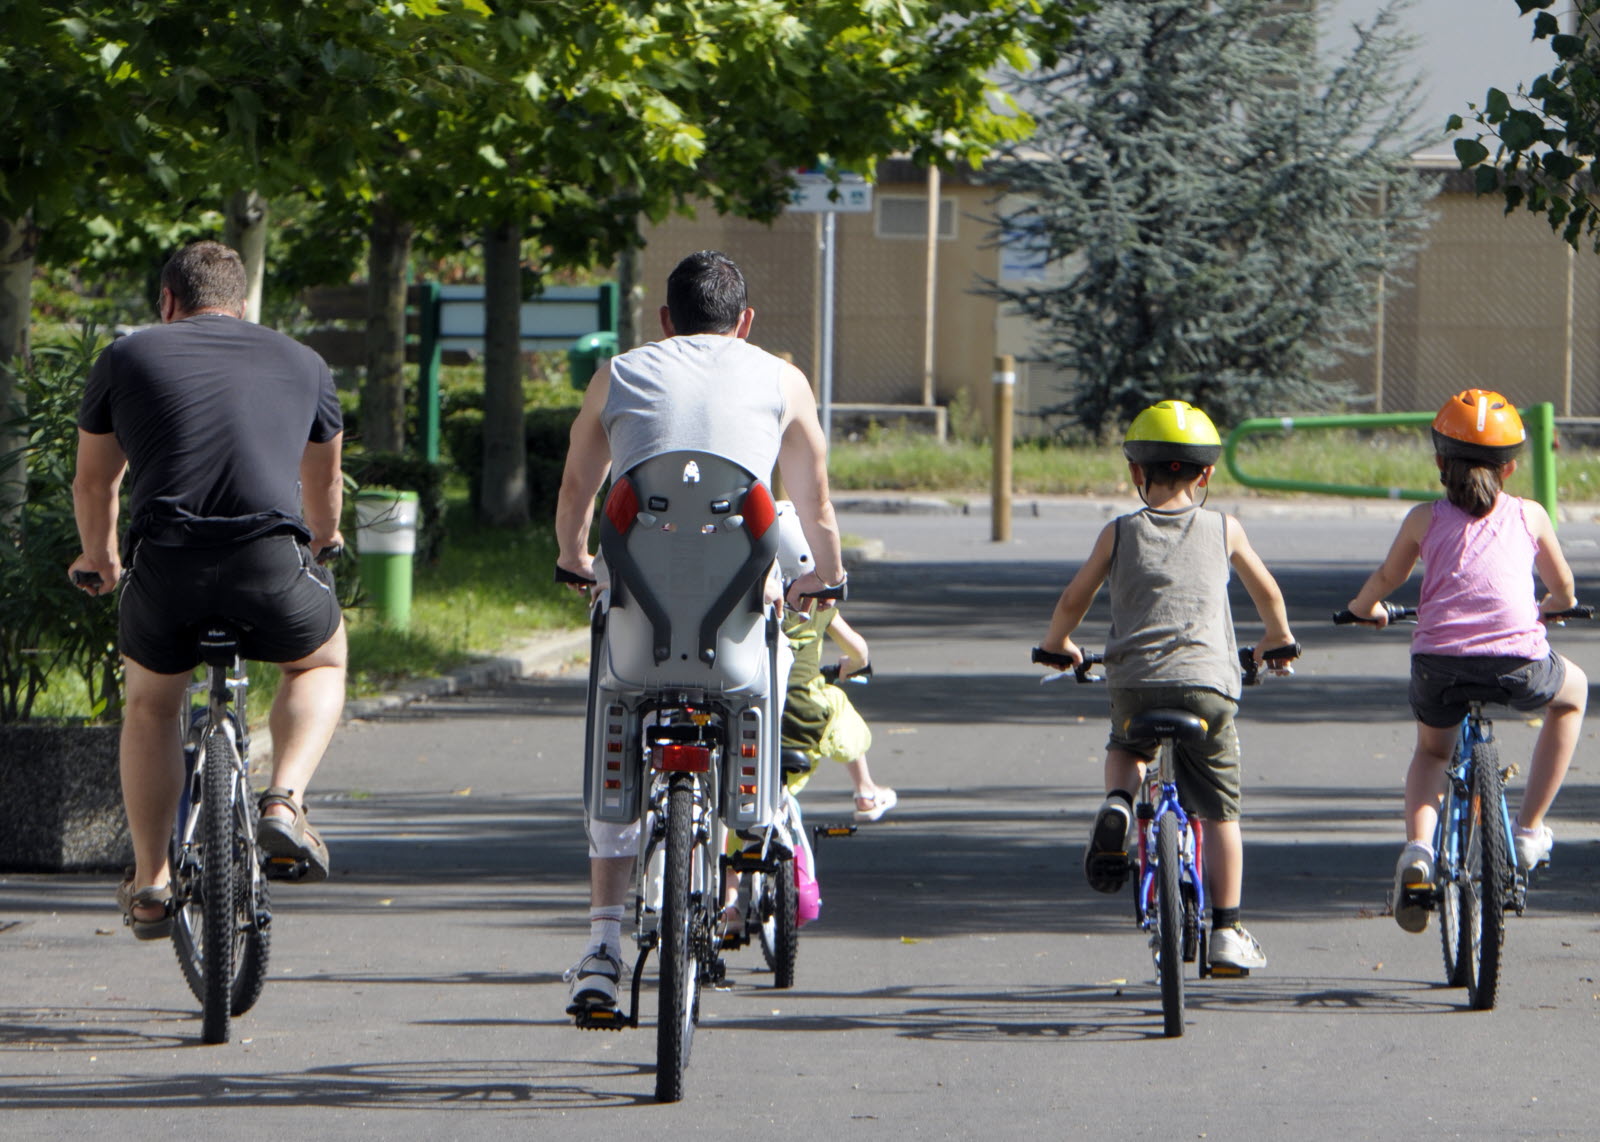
x: 1478, y: 596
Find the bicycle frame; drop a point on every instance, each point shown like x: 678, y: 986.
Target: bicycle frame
x: 226, y: 689
x: 1475, y: 729
x: 1159, y: 795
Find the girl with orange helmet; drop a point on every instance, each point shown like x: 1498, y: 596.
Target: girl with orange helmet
x: 1479, y: 624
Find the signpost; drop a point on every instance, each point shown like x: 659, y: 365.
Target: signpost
x: 829, y: 195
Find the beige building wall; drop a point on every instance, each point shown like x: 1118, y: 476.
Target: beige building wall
x: 1486, y: 303
x: 879, y: 308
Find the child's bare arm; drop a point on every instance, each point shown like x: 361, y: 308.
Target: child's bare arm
x: 1554, y: 571
x: 853, y: 650
x: 1396, y: 567
x: 1263, y: 589
x: 1075, y: 599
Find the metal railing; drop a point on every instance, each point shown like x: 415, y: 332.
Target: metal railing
x: 1538, y: 419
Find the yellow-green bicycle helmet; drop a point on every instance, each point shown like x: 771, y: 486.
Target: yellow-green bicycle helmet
x: 1172, y: 431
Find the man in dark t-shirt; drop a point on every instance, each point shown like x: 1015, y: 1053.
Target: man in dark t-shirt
x: 232, y: 435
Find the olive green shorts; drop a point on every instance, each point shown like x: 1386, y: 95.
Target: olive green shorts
x: 1208, y: 770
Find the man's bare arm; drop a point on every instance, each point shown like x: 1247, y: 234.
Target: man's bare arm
x: 101, y: 465
x: 322, y: 491
x: 803, y: 460
x: 588, y: 462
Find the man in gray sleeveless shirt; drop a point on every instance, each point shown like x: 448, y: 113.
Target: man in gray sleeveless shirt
x: 704, y: 387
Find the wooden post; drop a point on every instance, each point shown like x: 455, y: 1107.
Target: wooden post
x: 1005, y: 385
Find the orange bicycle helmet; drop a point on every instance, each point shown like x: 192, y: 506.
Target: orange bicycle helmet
x: 1478, y: 424
x: 1172, y: 431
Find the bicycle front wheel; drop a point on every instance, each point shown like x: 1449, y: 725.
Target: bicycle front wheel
x: 1169, y: 923
x: 682, y: 915
x: 780, y: 922
x: 1489, y: 863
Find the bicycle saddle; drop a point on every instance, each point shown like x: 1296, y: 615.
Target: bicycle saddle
x: 1179, y: 725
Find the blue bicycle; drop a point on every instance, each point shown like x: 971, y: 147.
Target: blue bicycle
x: 1476, y: 880
x: 1170, y: 904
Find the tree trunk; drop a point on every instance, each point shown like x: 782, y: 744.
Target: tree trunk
x: 505, y: 451
x: 18, y: 241
x: 244, y: 228
x: 383, y: 393
x: 630, y: 298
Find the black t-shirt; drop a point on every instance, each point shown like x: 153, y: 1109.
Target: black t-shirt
x: 214, y: 415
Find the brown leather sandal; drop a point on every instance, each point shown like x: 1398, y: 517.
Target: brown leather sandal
x: 152, y: 897
x: 294, y: 849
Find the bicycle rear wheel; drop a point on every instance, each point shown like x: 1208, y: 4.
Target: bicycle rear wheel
x: 780, y: 922
x: 1488, y: 860
x: 682, y: 914
x: 1169, y: 923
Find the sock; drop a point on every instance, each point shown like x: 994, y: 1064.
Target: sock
x: 605, y: 928
x: 1421, y: 847
x: 1224, y: 918
x: 1121, y: 794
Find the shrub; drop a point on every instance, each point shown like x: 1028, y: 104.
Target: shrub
x: 49, y: 628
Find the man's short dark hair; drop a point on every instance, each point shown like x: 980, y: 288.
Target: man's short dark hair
x: 705, y: 294
x: 205, y: 275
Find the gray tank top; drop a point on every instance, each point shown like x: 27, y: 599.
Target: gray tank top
x: 1171, y: 624
x: 702, y: 393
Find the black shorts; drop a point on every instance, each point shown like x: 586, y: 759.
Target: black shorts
x: 281, y: 600
x: 1441, y: 684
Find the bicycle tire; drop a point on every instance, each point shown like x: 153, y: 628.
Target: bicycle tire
x: 780, y: 923
x: 1169, y: 924
x: 188, y: 932
x: 1459, y: 929
x: 1491, y: 871
x: 679, y: 967
x: 217, y: 889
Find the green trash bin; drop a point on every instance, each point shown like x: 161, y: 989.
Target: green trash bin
x: 386, y: 539
x: 585, y: 354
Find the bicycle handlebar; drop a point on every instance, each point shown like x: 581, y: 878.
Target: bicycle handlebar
x: 565, y: 576
x: 1398, y: 614
x: 831, y: 674
x: 86, y: 579
x: 330, y: 553
x: 1276, y: 660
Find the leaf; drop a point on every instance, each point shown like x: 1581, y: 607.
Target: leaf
x: 1495, y: 105
x: 1470, y: 152
x: 1545, y: 25
x: 1521, y: 130
x: 1567, y: 47
x: 1486, y: 180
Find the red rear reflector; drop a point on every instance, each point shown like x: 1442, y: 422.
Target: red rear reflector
x: 747, y: 790
x: 758, y: 510
x: 747, y: 750
x: 679, y: 758
x: 622, y: 505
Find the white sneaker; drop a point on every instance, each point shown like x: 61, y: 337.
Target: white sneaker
x: 1532, y: 848
x: 594, y: 982
x: 1413, y: 875
x: 1236, y: 948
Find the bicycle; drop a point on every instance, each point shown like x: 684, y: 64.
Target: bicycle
x: 222, y: 908
x: 1170, y: 901
x: 1476, y: 880
x: 682, y: 722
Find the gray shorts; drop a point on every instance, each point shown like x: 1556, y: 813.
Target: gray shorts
x: 1442, y: 684
x: 1208, y: 771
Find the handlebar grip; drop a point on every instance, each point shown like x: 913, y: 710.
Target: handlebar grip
x: 839, y: 592
x: 1580, y: 612
x: 831, y: 674
x: 1045, y: 657
x: 331, y: 553
x: 1395, y: 612
x: 86, y: 579
x: 565, y: 576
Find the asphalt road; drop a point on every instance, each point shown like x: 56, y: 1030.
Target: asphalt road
x: 962, y: 981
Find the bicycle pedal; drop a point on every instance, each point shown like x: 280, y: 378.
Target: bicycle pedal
x: 820, y: 831
x: 1228, y: 971
x: 601, y: 1019
x: 285, y: 868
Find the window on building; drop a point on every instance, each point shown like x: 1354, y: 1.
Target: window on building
x: 906, y: 216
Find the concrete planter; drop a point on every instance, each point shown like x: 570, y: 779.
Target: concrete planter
x: 61, y: 800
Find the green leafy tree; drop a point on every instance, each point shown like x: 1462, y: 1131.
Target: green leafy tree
x: 1544, y: 136
x: 1214, y: 205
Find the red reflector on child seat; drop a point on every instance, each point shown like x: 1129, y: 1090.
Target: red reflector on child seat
x: 680, y: 758
x: 622, y: 505
x: 747, y: 750
x: 759, y: 511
